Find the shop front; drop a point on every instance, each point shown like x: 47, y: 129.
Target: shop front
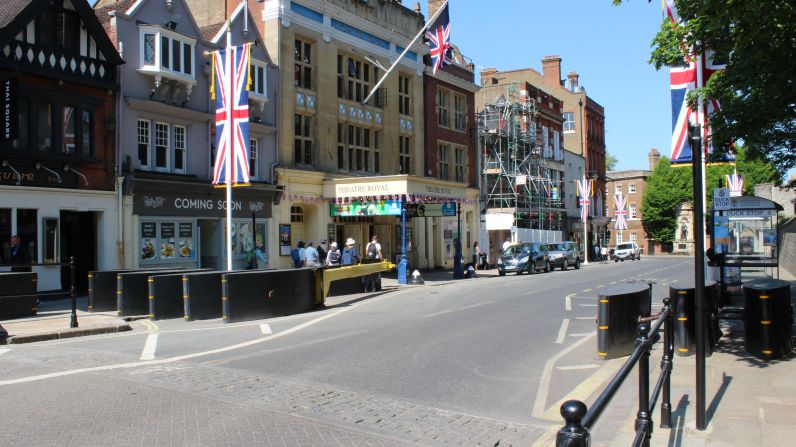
x: 176, y: 224
x: 436, y: 213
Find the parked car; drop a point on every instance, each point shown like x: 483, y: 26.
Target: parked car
x: 563, y: 255
x: 523, y: 257
x: 627, y: 250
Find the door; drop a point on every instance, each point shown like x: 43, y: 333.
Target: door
x: 210, y: 244
x: 78, y: 239
x: 385, y: 239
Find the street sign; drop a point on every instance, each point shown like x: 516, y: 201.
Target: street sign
x: 721, y: 199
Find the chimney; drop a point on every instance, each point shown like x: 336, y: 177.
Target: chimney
x: 433, y: 7
x: 572, y: 79
x: 654, y: 157
x: 551, y: 70
x: 417, y: 8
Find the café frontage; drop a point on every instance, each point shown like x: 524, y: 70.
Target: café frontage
x: 183, y: 224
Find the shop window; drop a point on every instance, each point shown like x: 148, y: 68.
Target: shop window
x: 27, y: 229
x: 296, y: 214
x: 167, y: 240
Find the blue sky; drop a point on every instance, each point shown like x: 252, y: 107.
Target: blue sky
x: 607, y: 45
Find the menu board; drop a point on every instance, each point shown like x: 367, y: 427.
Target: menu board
x: 245, y: 241
x: 185, y: 240
x: 149, y: 240
x: 167, y: 250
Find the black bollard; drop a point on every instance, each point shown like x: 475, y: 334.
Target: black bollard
x: 573, y: 434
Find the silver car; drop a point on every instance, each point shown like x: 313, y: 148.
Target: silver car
x: 563, y: 255
x: 627, y: 250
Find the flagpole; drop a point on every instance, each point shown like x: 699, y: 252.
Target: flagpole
x: 401, y: 56
x: 228, y: 155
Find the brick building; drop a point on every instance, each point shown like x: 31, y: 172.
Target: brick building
x: 632, y: 184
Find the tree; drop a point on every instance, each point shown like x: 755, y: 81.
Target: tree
x: 610, y: 161
x: 757, y: 90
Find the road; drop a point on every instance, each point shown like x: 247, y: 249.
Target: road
x: 482, y: 361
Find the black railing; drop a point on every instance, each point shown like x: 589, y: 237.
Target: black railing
x: 71, y: 292
x: 579, y: 419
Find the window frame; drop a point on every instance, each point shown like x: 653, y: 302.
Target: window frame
x: 631, y: 188
x: 175, y: 149
x: 443, y: 160
x: 569, y: 122
x: 443, y: 108
x: 255, y: 67
x: 304, y: 138
x: 302, y: 64
x: 254, y: 149
x: 460, y: 164
x: 633, y: 211
x: 405, y: 154
x: 187, y: 69
x: 459, y: 112
x: 405, y: 94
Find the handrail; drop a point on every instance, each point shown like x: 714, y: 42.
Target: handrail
x: 72, y: 289
x: 579, y: 419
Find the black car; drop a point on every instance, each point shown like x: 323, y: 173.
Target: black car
x: 523, y: 257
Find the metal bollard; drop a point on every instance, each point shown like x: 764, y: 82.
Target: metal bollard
x: 643, y: 417
x: 666, y: 366
x: 573, y: 434
x: 73, y: 292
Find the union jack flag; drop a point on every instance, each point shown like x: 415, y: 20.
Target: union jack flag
x: 584, y: 191
x: 620, y: 213
x: 229, y: 88
x: 439, y: 40
x: 735, y: 184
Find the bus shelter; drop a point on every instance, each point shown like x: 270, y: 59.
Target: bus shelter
x: 744, y: 236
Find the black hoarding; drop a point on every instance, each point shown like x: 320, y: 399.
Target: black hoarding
x: 203, y: 202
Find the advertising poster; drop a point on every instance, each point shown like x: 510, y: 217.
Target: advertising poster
x: 167, y: 241
x: 185, y: 240
x: 259, y: 246
x: 245, y: 240
x: 447, y: 236
x: 431, y: 209
x: 284, y: 240
x: 721, y: 233
x: 149, y: 240
x: 770, y: 237
x: 356, y: 208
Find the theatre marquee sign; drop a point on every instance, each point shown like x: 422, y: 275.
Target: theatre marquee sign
x: 390, y: 188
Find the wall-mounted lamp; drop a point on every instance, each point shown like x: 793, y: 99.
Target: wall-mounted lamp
x: 39, y: 166
x: 68, y: 168
x: 6, y: 164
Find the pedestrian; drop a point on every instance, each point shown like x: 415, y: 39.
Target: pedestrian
x: 298, y: 255
x: 507, y: 244
x: 596, y: 250
x: 311, y: 256
x: 476, y: 254
x: 373, y: 249
x: 373, y: 252
x: 333, y: 256
x: 19, y: 254
x: 350, y: 255
x: 322, y: 250
x: 604, y: 253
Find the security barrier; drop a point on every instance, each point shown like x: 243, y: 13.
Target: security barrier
x: 132, y: 291
x: 102, y: 296
x: 201, y: 295
x: 166, y: 295
x: 253, y: 295
x: 349, y: 277
x: 768, y: 321
x: 618, y: 313
x: 683, y: 302
x: 17, y: 294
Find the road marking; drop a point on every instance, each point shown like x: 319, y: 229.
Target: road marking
x: 265, y: 328
x: 587, y: 290
x: 601, y: 286
x: 568, y: 301
x: 150, y: 326
x: 674, y: 281
x: 585, y: 318
x: 149, y: 347
x: 586, y: 388
x: 544, y: 383
x: 578, y: 367
x: 436, y: 314
x: 587, y: 305
x: 4, y: 350
x: 580, y: 335
x: 562, y: 332
x: 612, y: 282
x: 179, y: 358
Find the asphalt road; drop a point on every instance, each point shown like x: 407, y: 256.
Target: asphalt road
x: 481, y: 361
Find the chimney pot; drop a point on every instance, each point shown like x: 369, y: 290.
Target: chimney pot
x: 551, y: 70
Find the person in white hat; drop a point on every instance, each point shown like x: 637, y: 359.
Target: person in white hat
x: 350, y: 255
x: 333, y: 256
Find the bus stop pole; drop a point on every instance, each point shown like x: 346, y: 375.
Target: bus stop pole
x: 695, y: 135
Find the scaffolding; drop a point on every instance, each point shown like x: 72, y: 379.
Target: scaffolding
x: 516, y: 178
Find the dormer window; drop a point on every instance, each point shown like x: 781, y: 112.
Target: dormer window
x: 167, y: 54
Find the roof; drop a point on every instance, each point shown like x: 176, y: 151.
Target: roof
x: 103, y: 7
x: 9, y: 9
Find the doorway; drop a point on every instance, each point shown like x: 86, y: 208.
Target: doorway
x: 210, y: 244
x: 78, y: 239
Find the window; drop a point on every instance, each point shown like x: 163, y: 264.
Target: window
x: 302, y: 72
x: 633, y: 236
x: 341, y: 146
x: 296, y: 214
x: 377, y: 152
x: 253, y: 148
x: 631, y: 189
x: 443, y: 108
x: 546, y: 141
x: 302, y: 143
x: 163, y: 149
x: 58, y: 27
x: 633, y: 211
x: 619, y: 238
x: 257, y: 73
x: 404, y: 93
x: 618, y: 188
x: 166, y: 51
x: 443, y: 161
x: 460, y: 112
x: 354, y: 78
x: 404, y: 157
x: 557, y: 153
x: 359, y: 144
x: 569, y: 122
x: 461, y: 164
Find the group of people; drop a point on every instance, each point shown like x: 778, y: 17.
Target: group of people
x: 332, y: 255
x: 600, y: 253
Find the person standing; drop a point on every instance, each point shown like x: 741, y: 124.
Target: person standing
x: 311, y: 257
x: 373, y: 253
x: 507, y: 244
x: 19, y: 254
x: 604, y: 253
x: 350, y: 255
x: 373, y: 249
x: 298, y: 255
x: 322, y: 251
x: 334, y: 255
x: 476, y: 254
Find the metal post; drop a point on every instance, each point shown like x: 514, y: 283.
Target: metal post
x: 643, y: 417
x: 254, y: 241
x: 458, y: 273
x: 666, y: 361
x: 402, y: 263
x: 72, y: 292
x: 695, y: 135
x: 573, y: 434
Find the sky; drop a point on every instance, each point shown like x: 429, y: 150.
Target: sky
x: 608, y: 46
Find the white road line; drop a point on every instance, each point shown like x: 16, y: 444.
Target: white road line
x: 4, y: 350
x: 436, y: 314
x: 568, y: 301
x: 578, y: 367
x: 587, y: 305
x: 613, y: 282
x: 547, y: 373
x: 562, y: 332
x: 150, y: 326
x: 585, y: 318
x: 674, y: 281
x: 265, y: 328
x: 180, y: 358
x: 587, y: 290
x: 580, y: 335
x: 150, y: 347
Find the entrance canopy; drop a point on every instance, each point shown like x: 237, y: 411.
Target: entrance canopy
x: 403, y: 188
x: 745, y: 230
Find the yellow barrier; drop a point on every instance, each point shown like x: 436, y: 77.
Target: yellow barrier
x: 325, y: 277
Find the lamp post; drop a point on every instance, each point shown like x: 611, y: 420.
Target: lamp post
x: 585, y: 170
x: 695, y: 137
x: 402, y: 263
x: 458, y: 273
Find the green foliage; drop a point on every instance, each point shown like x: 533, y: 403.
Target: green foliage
x: 756, y: 91
x: 610, y: 161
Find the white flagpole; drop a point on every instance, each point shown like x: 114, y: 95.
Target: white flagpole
x: 585, y: 226
x: 401, y: 56
x: 228, y: 131
x: 702, y: 119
